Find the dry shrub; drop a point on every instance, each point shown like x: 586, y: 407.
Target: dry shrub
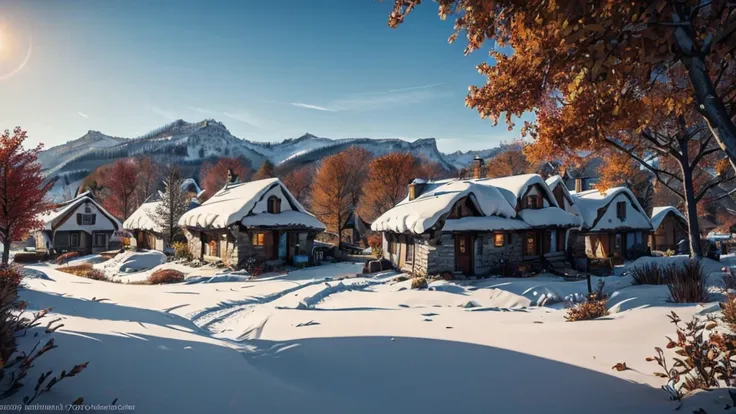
x: 729, y: 312
x: 650, y: 274
x: 76, y: 270
x: 25, y: 257
x: 590, y: 309
x: 66, y: 257
x: 687, y: 282
x: 594, y: 306
x: 181, y: 250
x: 13, y: 323
x: 419, y: 283
x: 84, y: 270
x: 375, y: 242
x: 163, y: 276
x: 705, y: 359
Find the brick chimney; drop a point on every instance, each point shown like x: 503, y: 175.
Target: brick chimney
x: 416, y: 188
x: 478, y: 167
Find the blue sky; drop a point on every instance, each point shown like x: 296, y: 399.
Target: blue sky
x: 268, y: 70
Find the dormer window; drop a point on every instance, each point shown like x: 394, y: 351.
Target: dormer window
x: 274, y: 205
x: 621, y: 210
x: 532, y: 201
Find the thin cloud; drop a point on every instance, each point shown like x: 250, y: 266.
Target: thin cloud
x: 414, y: 88
x: 200, y: 110
x: 246, y: 118
x: 166, y: 113
x: 315, y: 107
x: 83, y: 115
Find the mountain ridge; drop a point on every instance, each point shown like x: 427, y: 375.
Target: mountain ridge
x: 189, y: 144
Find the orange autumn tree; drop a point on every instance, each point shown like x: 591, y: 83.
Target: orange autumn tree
x: 593, y: 57
x: 338, y: 185
x: 620, y: 170
x: 214, y: 175
x: 387, y: 183
x: 506, y: 163
x: 299, y: 182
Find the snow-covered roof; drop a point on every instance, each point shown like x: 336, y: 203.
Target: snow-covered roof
x: 286, y: 218
x: 556, y: 180
x: 590, y: 202
x: 495, y: 199
x: 144, y: 218
x: 515, y: 186
x: 421, y: 214
x: 549, y: 216
x: 659, y: 213
x: 52, y: 218
x: 234, y: 202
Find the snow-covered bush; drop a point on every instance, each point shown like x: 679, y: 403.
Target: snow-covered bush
x: 686, y: 282
x: 163, y: 276
x: 64, y: 258
x: 649, y: 274
x: 638, y: 250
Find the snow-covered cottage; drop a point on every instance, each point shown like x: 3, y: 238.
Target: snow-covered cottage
x: 474, y: 226
x: 79, y: 225
x: 611, y: 223
x: 669, y: 227
x: 144, y: 226
x: 260, y: 219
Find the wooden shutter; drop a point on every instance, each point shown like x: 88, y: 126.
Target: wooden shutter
x: 79, y: 219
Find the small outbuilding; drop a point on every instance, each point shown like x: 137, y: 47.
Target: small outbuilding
x: 669, y: 227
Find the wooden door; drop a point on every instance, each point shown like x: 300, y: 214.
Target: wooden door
x: 464, y: 253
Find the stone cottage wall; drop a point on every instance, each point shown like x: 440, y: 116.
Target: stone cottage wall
x: 488, y: 257
x: 441, y: 257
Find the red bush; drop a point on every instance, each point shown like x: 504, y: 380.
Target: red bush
x: 162, y: 276
x: 10, y: 275
x: 64, y: 258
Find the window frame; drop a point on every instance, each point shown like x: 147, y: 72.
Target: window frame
x: 530, y: 235
x: 258, y: 240
x: 532, y: 201
x: 94, y: 239
x: 87, y: 219
x: 273, y: 205
x: 621, y: 210
x: 409, y: 254
x: 497, y: 242
x: 72, y: 237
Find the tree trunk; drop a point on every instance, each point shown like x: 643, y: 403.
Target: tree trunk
x: 696, y: 249
x: 709, y: 103
x: 6, y: 252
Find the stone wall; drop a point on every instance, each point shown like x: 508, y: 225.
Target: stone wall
x: 488, y: 257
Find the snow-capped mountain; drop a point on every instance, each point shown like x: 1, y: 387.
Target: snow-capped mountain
x: 190, y: 144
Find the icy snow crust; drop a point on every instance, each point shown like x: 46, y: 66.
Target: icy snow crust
x: 322, y: 340
x: 144, y: 218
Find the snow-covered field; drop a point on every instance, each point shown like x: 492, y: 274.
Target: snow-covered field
x: 322, y: 340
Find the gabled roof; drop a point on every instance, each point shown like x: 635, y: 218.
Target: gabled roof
x: 495, y: 199
x: 592, y: 204
x: 659, y: 213
x: 60, y: 214
x: 557, y: 181
x: 436, y: 202
x: 234, y: 202
x: 515, y: 186
x: 144, y: 218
